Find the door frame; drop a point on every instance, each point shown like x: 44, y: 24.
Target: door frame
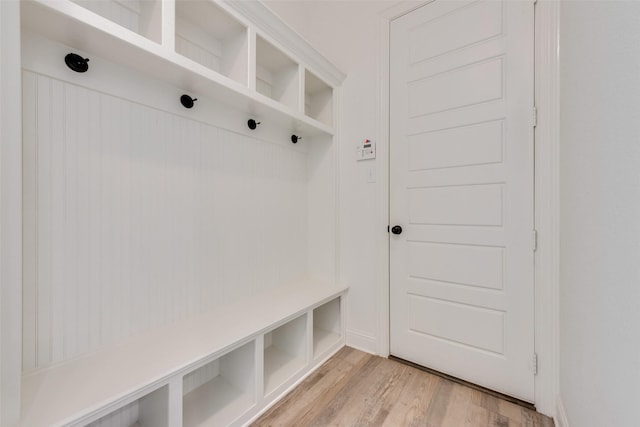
x: 546, y: 193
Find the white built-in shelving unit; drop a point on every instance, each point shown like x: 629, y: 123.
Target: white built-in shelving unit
x: 229, y: 60
x: 144, y: 184
x: 191, y: 373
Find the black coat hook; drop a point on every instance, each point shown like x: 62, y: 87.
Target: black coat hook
x: 252, y: 124
x: 76, y: 62
x: 187, y: 101
x: 295, y: 138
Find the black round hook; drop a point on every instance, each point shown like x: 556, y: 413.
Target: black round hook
x: 252, y: 124
x: 76, y: 62
x: 187, y: 101
x: 295, y: 138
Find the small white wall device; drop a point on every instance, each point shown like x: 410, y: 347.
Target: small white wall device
x: 366, y: 150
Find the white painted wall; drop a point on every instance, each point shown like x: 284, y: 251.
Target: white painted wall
x: 10, y: 213
x: 600, y: 212
x: 346, y: 32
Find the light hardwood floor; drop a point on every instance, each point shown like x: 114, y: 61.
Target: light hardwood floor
x: 356, y: 389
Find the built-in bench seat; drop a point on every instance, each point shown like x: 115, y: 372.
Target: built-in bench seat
x: 270, y: 341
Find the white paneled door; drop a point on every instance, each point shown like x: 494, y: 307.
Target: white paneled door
x: 462, y: 191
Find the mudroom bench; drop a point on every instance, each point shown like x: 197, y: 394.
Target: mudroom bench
x: 224, y: 367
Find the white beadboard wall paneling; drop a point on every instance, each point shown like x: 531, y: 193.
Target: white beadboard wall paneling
x: 322, y: 220
x: 139, y: 213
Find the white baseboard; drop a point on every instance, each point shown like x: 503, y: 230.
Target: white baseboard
x: 561, y: 419
x: 362, y: 341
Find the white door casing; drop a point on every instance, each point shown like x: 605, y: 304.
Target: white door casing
x: 461, y: 186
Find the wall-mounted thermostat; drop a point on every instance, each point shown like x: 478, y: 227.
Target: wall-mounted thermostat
x: 366, y: 150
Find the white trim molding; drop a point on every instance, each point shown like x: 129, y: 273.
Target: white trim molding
x: 546, y: 193
x: 547, y: 201
x: 361, y: 341
x: 385, y: 18
x: 560, y: 419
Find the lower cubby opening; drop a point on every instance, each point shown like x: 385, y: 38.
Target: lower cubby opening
x: 284, y: 353
x: 327, y: 328
x: 151, y: 410
x: 221, y: 391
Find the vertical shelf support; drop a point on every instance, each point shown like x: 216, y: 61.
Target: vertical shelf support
x: 169, y: 24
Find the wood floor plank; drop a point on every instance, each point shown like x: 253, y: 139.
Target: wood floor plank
x: 302, y: 405
x: 354, y: 388
x: 349, y: 407
x: 334, y: 403
x: 497, y: 420
x: 439, y: 402
x: 411, y: 407
x: 510, y: 410
x: 476, y: 416
x: 380, y: 401
x: 459, y: 402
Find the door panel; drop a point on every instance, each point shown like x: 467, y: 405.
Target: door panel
x: 462, y: 189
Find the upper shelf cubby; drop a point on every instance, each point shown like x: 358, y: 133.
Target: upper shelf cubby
x: 318, y: 99
x: 210, y: 36
x: 277, y: 75
x: 140, y: 16
x: 235, y: 52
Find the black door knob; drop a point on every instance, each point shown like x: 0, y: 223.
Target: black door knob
x: 396, y: 229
